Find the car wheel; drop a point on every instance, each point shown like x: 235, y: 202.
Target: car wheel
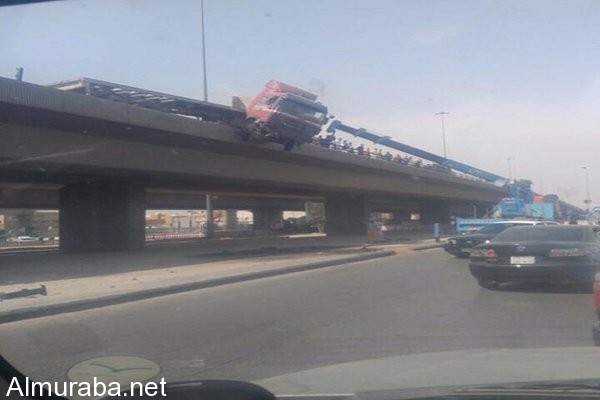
x: 487, y: 284
x: 289, y: 145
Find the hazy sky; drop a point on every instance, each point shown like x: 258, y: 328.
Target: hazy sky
x: 521, y: 79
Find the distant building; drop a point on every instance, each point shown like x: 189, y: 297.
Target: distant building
x: 26, y: 222
x: 45, y: 223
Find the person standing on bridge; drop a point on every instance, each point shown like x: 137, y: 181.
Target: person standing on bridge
x: 330, y: 140
x: 345, y: 146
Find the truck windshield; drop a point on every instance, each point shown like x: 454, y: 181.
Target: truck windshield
x: 300, y: 110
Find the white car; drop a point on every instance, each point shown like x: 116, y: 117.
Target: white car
x: 23, y: 239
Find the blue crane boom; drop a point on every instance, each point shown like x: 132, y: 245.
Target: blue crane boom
x: 389, y: 142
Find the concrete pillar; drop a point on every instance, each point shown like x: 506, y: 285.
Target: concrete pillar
x: 346, y: 215
x: 401, y: 216
x: 230, y: 220
x: 433, y: 211
x: 102, y: 216
x: 264, y: 218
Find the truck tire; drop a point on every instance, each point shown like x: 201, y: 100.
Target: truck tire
x: 251, y: 126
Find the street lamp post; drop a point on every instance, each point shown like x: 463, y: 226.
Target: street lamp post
x: 587, y: 200
x: 209, y: 213
x: 210, y: 225
x: 508, y: 160
x: 203, y: 51
x: 442, y: 114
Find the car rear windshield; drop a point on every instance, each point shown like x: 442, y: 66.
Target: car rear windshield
x: 546, y: 234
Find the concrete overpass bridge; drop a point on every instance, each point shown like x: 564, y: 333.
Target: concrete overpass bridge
x: 102, y: 163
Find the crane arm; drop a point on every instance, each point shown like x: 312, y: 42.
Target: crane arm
x: 389, y: 142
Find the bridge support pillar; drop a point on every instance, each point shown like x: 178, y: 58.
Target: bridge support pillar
x: 102, y: 216
x: 265, y: 218
x: 433, y: 211
x: 346, y: 215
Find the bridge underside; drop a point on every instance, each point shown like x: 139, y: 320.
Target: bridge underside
x: 106, y: 215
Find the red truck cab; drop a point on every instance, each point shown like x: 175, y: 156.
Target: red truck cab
x: 286, y: 114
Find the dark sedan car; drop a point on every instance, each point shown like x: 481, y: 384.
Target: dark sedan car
x: 460, y: 246
x: 538, y: 254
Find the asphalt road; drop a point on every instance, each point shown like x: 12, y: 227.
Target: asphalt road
x: 421, y: 302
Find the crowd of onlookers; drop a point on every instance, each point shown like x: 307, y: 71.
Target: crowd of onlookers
x: 331, y: 142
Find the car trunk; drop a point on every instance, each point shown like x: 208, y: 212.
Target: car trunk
x: 534, y: 249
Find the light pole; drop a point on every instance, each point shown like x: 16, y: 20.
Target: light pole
x: 209, y: 213
x: 203, y: 51
x: 210, y: 225
x: 508, y: 160
x: 587, y: 200
x: 442, y: 114
x: 191, y: 221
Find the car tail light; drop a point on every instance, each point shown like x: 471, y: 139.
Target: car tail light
x: 490, y: 253
x: 568, y: 253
